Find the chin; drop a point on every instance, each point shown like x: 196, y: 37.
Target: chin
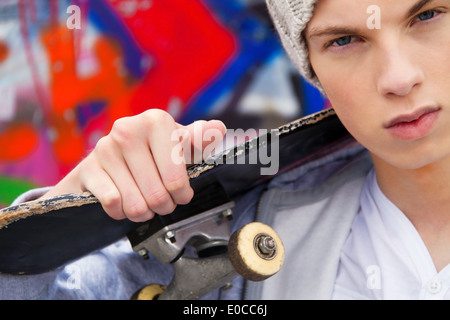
x: 416, y: 161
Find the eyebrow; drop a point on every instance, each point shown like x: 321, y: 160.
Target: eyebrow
x: 417, y: 7
x: 336, y: 31
x: 331, y: 31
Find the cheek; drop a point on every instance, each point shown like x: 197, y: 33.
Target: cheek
x: 348, y: 100
x: 357, y: 114
x: 442, y: 75
x: 357, y: 123
x: 352, y: 96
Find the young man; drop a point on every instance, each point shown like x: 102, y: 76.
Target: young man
x: 355, y: 224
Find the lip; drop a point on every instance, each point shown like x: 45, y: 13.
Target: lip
x: 413, y: 125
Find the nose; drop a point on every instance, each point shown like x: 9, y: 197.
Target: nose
x: 398, y: 73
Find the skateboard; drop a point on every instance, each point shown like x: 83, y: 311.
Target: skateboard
x: 41, y: 235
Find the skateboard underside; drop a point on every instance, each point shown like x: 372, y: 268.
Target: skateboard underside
x: 39, y: 236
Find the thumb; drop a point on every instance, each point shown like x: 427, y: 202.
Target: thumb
x: 201, y: 140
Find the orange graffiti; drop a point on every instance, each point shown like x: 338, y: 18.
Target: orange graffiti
x: 20, y: 139
x: 4, y: 51
x: 110, y: 85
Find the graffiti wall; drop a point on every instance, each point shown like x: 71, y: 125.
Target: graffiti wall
x: 69, y: 68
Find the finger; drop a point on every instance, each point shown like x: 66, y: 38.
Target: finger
x: 213, y: 137
x: 165, y: 146
x: 111, y: 160
x: 95, y: 180
x: 203, y: 139
x: 145, y: 173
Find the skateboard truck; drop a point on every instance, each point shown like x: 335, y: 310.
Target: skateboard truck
x: 205, y: 231
x: 203, y: 254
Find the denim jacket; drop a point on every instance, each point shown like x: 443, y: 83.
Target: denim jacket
x: 311, y: 207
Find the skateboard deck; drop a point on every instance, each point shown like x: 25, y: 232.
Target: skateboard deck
x: 41, y: 235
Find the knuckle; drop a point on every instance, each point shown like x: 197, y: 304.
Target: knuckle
x: 121, y: 131
x: 156, y: 116
x: 186, y: 197
x: 178, y: 186
x: 112, y: 203
x: 102, y: 146
x: 111, y: 199
x: 160, y: 199
x: 136, y: 210
x: 176, y: 182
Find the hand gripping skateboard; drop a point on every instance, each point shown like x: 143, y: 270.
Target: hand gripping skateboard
x: 38, y: 236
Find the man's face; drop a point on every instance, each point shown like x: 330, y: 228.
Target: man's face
x: 385, y: 66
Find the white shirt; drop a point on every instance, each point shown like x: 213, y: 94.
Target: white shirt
x: 384, y: 256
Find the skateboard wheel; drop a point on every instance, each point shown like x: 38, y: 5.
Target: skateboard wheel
x: 256, y: 251
x: 150, y: 292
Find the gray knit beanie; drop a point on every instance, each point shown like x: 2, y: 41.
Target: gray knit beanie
x: 290, y: 18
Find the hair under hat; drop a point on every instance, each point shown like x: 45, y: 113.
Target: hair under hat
x: 290, y: 18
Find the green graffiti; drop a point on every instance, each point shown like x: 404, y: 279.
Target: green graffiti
x: 11, y: 188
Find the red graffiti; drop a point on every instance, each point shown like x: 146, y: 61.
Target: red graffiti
x: 187, y: 48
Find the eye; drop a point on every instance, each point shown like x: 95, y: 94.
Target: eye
x: 342, y: 41
x: 427, y: 15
